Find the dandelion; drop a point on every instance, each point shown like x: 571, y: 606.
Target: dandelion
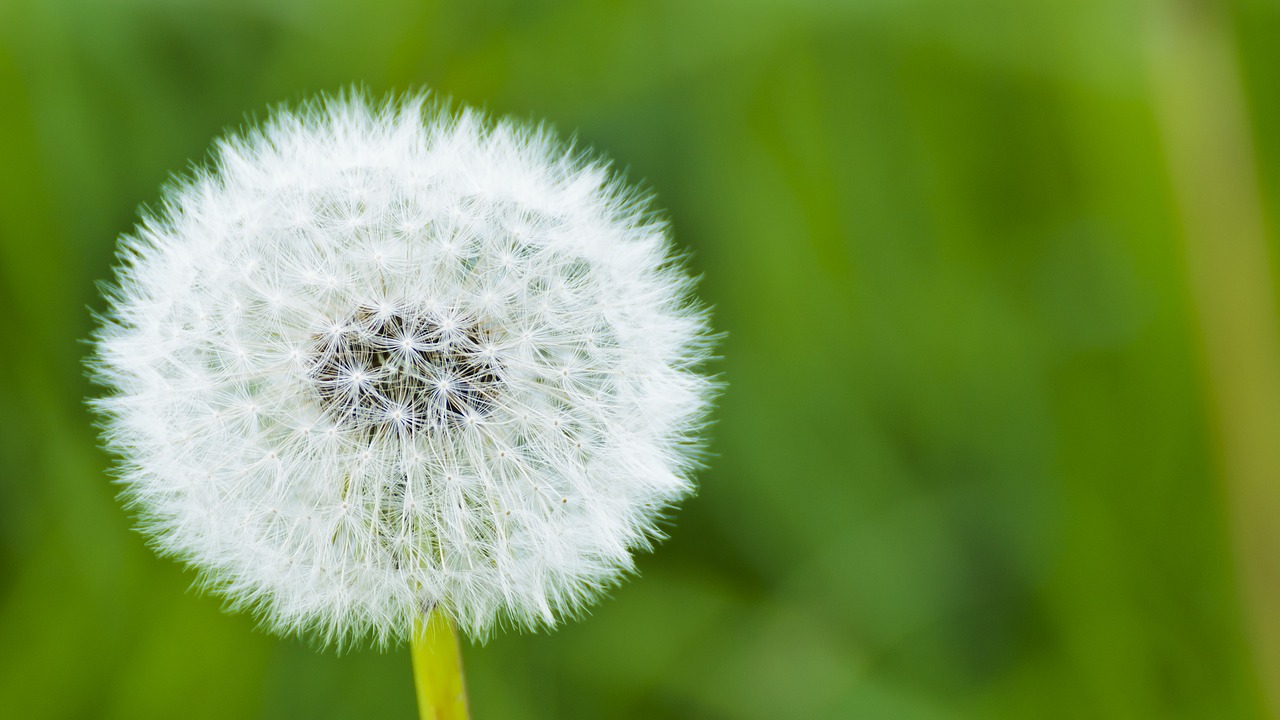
x: 382, y: 361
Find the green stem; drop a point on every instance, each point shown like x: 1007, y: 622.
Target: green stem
x: 437, y: 670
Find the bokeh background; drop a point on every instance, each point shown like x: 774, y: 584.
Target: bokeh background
x: 1000, y: 436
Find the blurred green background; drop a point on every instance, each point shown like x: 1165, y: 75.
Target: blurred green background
x: 974, y: 459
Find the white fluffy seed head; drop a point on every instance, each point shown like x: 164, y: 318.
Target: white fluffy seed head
x: 383, y: 358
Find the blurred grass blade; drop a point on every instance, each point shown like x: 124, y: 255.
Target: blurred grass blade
x: 1201, y: 110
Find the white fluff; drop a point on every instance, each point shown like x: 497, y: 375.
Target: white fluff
x: 379, y: 359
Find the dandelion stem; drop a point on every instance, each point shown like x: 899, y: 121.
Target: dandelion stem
x: 437, y: 669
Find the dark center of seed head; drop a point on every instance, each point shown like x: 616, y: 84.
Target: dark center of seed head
x: 404, y: 370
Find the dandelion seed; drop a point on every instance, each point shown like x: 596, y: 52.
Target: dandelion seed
x: 377, y: 359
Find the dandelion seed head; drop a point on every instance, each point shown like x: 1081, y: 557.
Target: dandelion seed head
x: 377, y: 359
